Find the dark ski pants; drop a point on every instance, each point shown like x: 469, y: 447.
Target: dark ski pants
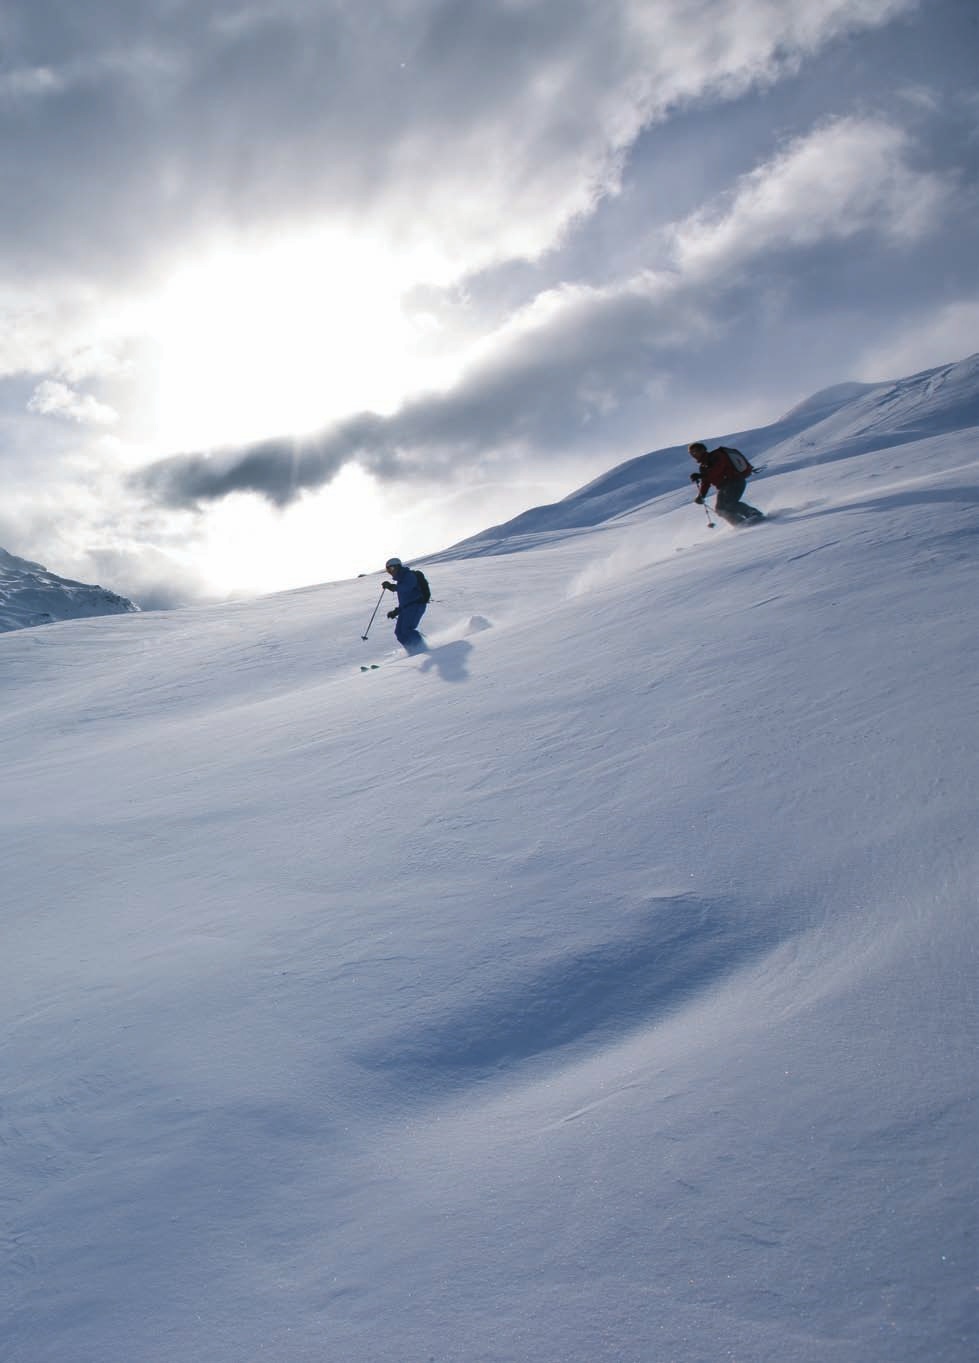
x: 406, y: 629
x: 728, y: 503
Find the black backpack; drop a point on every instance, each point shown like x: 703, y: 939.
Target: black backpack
x: 424, y: 590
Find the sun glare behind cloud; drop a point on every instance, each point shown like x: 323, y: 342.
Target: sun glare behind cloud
x: 281, y: 338
x: 325, y: 536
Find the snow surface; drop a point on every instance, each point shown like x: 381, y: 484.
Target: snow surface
x: 596, y: 988
x: 30, y: 595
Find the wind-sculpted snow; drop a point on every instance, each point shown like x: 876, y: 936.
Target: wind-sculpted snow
x: 598, y: 987
x: 582, y: 1000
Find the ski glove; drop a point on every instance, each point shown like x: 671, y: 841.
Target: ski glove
x: 389, y: 586
x: 698, y: 501
x: 695, y: 477
x: 393, y: 615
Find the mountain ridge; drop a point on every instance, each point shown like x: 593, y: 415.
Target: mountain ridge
x: 31, y: 595
x: 838, y: 420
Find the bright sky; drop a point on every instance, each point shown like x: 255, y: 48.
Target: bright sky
x: 288, y: 286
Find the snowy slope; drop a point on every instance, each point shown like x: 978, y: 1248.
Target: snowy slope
x: 598, y: 988
x: 30, y: 595
x: 848, y: 418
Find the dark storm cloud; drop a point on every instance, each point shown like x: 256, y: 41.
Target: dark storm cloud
x: 277, y: 469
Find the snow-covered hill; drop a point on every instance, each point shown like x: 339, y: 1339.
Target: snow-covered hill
x: 30, y: 595
x: 845, y: 419
x: 597, y: 988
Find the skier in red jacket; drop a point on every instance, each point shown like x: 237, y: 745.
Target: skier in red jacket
x: 728, y: 470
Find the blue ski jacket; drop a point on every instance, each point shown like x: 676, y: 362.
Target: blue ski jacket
x: 406, y: 585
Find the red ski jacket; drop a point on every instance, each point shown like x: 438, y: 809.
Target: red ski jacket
x: 716, y: 469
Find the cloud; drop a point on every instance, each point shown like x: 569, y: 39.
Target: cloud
x: 53, y: 398
x: 91, y: 362
x: 852, y: 175
x: 542, y: 381
x: 487, y: 129
x: 68, y: 330
x: 154, y: 579
x: 946, y: 334
x: 28, y: 83
x: 456, y: 138
x: 557, y: 374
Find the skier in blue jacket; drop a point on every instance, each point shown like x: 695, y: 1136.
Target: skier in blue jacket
x: 410, y: 607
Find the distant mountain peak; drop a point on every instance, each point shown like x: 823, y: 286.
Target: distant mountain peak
x: 31, y: 595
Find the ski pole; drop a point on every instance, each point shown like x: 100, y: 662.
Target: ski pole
x: 371, y: 620
x: 707, y: 514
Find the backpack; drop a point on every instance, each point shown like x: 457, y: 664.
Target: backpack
x: 738, y: 461
x: 424, y: 590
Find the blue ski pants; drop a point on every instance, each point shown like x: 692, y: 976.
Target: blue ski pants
x: 406, y: 628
